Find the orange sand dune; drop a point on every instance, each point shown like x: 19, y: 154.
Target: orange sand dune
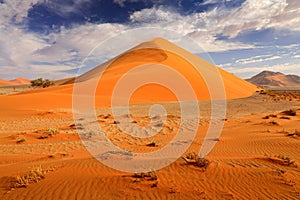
x: 4, y: 82
x: 17, y: 81
x: 157, y: 55
x: 20, y: 81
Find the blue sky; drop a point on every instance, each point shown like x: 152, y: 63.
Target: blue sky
x: 51, y: 38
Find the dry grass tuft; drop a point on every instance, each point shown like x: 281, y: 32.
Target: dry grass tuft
x: 152, y: 144
x: 23, y: 139
x: 202, y: 163
x: 284, y: 117
x: 273, y: 122
x: 281, y: 160
x: 148, y: 175
x: 295, y: 133
x: 291, y: 112
x: 193, y: 159
x: 286, y: 160
x: 33, y: 176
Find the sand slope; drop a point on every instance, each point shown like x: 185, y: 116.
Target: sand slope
x: 153, y: 53
x: 17, y: 81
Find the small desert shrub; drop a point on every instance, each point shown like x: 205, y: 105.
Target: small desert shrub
x: 43, y: 137
x: 286, y: 160
x: 52, y: 131
x: 191, y: 156
x: 148, y: 175
x: 295, y: 133
x: 21, y: 140
x: 202, y: 163
x: 291, y: 112
x: 159, y: 124
x: 263, y: 92
x: 152, y: 144
x: 78, y: 126
x: 194, y: 159
x: 284, y: 117
x: 33, y: 176
x: 274, y: 123
x: 271, y: 115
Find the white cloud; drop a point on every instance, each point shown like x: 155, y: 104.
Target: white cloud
x: 14, y: 10
x: 206, y: 26
x: 76, y: 42
x: 256, y: 59
x: 195, y: 26
x: 252, y: 15
x: 16, y: 44
x: 62, y: 8
x: 297, y: 56
x: 206, y: 2
x: 292, y: 46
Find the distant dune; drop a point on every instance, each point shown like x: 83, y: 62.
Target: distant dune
x: 275, y: 79
x: 152, y: 53
x: 17, y: 81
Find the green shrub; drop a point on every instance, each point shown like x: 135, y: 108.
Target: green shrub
x: 41, y: 83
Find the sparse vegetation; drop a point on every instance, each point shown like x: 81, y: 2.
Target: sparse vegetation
x: 33, y: 176
x: 76, y: 126
x: 194, y: 159
x: 41, y: 83
x: 263, y: 92
x: 49, y: 133
x: 148, y: 176
x: 281, y: 160
x: 273, y: 115
x: 273, y: 123
x: 268, y: 116
x: 43, y: 137
x: 191, y: 156
x: 291, y: 112
x: 286, y: 160
x: 284, y: 117
x: 23, y: 139
x: 152, y: 144
x: 202, y: 163
x: 116, y: 122
x: 52, y: 131
x: 295, y: 133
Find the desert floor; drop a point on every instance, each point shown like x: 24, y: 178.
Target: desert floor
x: 256, y: 157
